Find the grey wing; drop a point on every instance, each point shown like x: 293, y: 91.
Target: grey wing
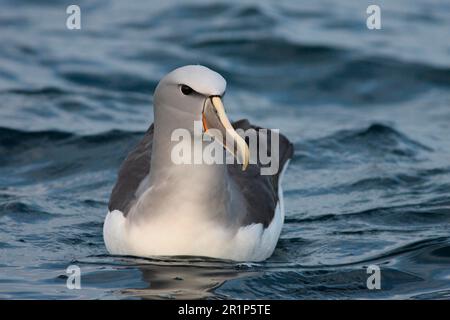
x: 260, y: 191
x: 133, y: 170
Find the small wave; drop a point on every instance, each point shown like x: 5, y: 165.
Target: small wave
x: 13, y: 141
x: 195, y: 11
x: 372, y: 78
x: 258, y: 48
x: 45, y: 91
x: 427, y: 246
x: 23, y: 212
x: 111, y: 81
x: 45, y: 155
x: 13, y: 138
x: 411, y: 215
x: 381, y: 135
x: 378, y: 141
x: 435, y: 295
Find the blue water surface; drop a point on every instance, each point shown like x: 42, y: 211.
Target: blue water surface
x: 367, y: 110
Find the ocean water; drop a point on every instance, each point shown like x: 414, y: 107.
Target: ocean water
x: 367, y: 110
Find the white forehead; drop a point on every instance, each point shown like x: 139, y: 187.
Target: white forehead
x: 199, y: 78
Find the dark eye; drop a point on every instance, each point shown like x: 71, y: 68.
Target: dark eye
x: 186, y: 89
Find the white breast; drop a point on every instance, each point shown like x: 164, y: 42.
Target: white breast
x: 188, y: 233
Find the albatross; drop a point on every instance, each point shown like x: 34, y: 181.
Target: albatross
x: 220, y: 210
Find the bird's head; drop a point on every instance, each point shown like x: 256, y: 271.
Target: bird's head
x: 195, y: 92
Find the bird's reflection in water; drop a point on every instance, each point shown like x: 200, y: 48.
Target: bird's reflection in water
x: 188, y: 277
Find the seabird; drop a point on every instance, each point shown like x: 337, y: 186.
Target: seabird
x: 226, y: 211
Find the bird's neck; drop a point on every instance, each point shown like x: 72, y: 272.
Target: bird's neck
x: 175, y: 129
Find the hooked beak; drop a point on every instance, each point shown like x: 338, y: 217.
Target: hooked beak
x: 214, y: 117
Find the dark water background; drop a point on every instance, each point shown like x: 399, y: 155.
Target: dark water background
x: 368, y: 112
